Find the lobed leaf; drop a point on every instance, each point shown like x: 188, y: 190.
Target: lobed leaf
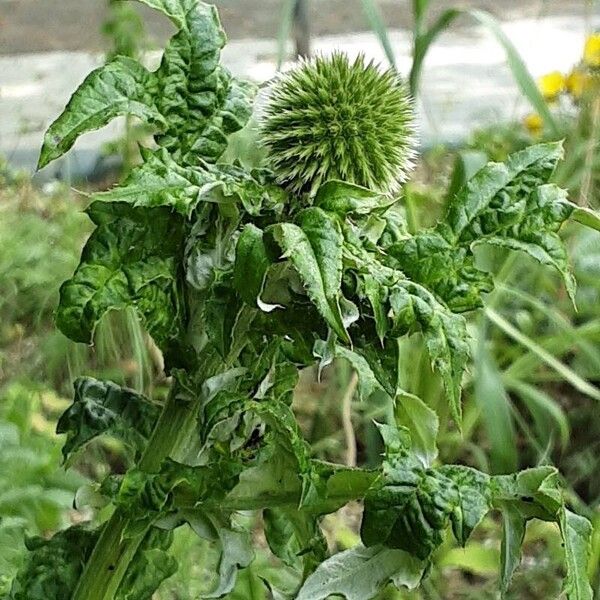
x: 509, y: 205
x: 162, y: 181
x: 360, y: 573
x: 121, y: 87
x: 192, y: 102
x: 409, y: 508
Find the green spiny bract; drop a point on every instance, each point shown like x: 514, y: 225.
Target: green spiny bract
x: 330, y: 118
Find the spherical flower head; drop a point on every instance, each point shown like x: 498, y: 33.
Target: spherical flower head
x: 330, y: 118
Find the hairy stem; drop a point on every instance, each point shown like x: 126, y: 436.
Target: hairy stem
x: 113, y: 553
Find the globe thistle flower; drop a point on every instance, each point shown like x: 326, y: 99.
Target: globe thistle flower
x: 330, y: 118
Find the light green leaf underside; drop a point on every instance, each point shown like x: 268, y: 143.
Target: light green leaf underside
x: 359, y: 574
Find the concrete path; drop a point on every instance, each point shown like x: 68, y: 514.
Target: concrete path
x: 466, y: 82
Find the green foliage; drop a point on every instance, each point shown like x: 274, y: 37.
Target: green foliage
x: 242, y: 284
x: 53, y: 566
x: 105, y: 408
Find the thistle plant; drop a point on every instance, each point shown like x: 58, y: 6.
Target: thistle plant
x: 330, y: 118
x: 244, y: 278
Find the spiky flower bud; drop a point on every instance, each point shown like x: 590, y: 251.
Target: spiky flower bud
x: 330, y: 118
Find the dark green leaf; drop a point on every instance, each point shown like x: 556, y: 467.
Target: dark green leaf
x: 474, y: 499
x: 131, y: 260
x: 409, y: 508
x: 53, y: 566
x: 104, y: 408
x: 506, y: 205
x: 251, y: 264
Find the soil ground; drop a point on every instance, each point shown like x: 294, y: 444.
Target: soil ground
x: 45, y: 25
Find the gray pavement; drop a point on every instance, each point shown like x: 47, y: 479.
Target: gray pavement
x: 466, y: 82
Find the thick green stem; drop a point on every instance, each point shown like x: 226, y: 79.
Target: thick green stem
x: 113, y: 553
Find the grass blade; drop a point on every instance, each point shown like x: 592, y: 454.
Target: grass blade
x: 285, y: 29
x: 377, y: 25
x: 494, y: 404
x: 563, y: 370
x: 519, y: 71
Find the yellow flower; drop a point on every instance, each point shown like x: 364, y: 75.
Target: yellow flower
x: 534, y: 124
x: 552, y: 85
x: 576, y: 82
x: 591, y: 50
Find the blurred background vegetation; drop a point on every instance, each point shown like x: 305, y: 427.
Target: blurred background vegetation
x: 531, y: 396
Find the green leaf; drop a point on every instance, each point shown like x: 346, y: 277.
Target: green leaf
x: 315, y: 250
x: 445, y: 335
x: 287, y: 438
x: 295, y: 537
x: 494, y: 404
x: 513, y: 532
x: 421, y: 422
x: 345, y: 198
x: 191, y: 87
x: 145, y: 497
x: 536, y: 493
x: 367, y: 381
x: 509, y: 205
x: 409, y: 508
x: 576, y: 533
x: 53, y: 566
x: 162, y: 181
x: 192, y: 101
x: 121, y: 87
x: 360, y: 573
x: 235, y: 547
x: 474, y: 499
x: 150, y: 566
x: 176, y: 10
x: 448, y: 270
x: 587, y: 217
x: 130, y: 260
x: 104, y: 408
x: 251, y: 264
